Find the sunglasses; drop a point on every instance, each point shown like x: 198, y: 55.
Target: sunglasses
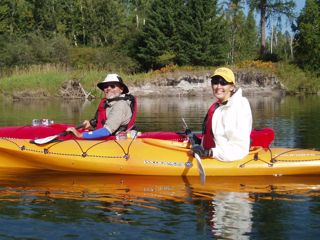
x: 221, y: 81
x: 111, y: 86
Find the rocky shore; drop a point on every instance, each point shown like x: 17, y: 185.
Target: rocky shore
x: 186, y: 84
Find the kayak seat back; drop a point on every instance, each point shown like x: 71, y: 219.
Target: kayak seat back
x: 262, y: 137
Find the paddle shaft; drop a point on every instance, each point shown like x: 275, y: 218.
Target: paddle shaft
x: 192, y: 137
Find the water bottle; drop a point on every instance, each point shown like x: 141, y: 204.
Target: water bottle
x: 46, y: 122
x: 42, y: 122
x: 36, y: 122
x: 121, y: 136
x: 133, y: 134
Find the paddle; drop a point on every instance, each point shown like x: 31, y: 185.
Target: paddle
x: 192, y: 138
x: 41, y: 141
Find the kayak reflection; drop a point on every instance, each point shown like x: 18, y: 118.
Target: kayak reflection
x: 163, y: 187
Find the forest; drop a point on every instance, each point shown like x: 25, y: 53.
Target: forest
x: 142, y: 35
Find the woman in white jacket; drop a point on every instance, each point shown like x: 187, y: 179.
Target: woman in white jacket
x: 228, y: 124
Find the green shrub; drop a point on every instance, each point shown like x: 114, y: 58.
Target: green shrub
x: 34, y: 49
x: 296, y: 80
x: 107, y: 59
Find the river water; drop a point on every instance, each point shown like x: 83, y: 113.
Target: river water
x: 49, y: 205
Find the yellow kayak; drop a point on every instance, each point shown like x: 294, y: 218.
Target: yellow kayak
x: 146, y: 156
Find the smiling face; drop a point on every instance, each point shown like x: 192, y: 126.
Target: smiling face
x: 112, y: 91
x: 221, y: 89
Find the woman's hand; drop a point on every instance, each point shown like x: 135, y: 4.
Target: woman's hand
x: 203, y: 153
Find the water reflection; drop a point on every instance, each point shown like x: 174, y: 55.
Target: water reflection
x: 158, y: 204
x: 232, y: 215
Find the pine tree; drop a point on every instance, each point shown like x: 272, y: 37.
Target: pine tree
x: 155, y: 47
x: 307, y: 37
x: 249, y: 38
x: 201, y: 34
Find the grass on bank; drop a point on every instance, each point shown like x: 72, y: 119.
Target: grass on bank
x: 50, y: 78
x: 34, y: 78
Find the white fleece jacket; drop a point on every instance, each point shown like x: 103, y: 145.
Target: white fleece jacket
x: 231, y: 127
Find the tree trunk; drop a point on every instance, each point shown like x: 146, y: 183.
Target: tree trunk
x: 291, y: 47
x: 263, y: 21
x: 271, y: 42
x: 137, y: 20
x: 83, y: 25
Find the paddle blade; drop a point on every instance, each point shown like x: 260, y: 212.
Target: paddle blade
x: 200, y: 168
x: 49, y: 139
x: 45, y: 140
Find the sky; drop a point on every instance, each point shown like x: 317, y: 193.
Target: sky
x: 286, y: 25
x: 299, y: 5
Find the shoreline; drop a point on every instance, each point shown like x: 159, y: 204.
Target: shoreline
x: 172, y: 84
x: 193, y: 90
